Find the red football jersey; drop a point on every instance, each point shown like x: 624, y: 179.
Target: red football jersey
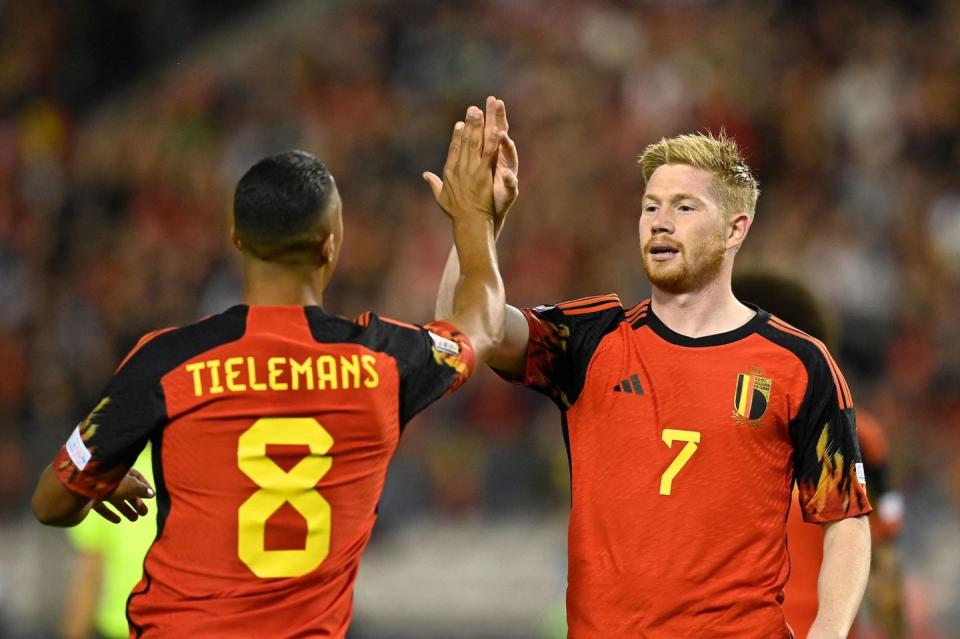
x: 683, y: 455
x: 272, y: 428
x: 805, y: 541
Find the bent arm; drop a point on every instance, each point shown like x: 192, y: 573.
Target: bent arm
x: 843, y: 576
x: 505, y: 190
x: 510, y: 354
x: 56, y: 505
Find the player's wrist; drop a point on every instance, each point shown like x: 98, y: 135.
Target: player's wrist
x: 475, y: 230
x: 821, y: 630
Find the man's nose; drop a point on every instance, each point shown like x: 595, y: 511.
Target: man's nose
x: 662, y: 223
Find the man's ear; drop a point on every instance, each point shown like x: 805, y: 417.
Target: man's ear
x: 235, y: 239
x: 738, y: 227
x: 328, y: 249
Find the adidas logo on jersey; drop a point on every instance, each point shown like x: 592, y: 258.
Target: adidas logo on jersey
x: 630, y: 385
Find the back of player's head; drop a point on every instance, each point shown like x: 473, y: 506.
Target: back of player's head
x: 734, y: 186
x: 789, y: 299
x: 284, y: 207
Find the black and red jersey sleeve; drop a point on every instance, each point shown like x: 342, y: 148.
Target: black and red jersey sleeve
x: 563, y: 339
x: 133, y: 408
x: 432, y: 360
x: 106, y: 443
x: 827, y: 464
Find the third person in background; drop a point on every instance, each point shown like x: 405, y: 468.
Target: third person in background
x: 793, y: 302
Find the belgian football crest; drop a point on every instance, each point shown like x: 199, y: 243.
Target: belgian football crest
x: 751, y: 398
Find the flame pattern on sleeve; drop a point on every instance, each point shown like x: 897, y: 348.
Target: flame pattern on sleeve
x: 463, y: 363
x: 832, y: 490
x: 548, y: 345
x: 91, y: 481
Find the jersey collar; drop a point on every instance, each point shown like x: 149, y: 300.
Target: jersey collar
x: 717, y: 339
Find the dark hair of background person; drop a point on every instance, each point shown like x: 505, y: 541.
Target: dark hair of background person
x: 789, y: 299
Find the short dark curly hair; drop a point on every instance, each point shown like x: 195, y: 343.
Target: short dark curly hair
x: 280, y: 206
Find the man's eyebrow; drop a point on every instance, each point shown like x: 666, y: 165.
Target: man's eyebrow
x: 686, y: 196
x: 675, y: 198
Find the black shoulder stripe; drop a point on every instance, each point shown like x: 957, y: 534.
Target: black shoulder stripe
x: 169, y: 349
x: 637, y: 316
x: 804, y: 349
x: 588, y: 302
x: 332, y: 329
x: 810, y: 354
x: 843, y: 392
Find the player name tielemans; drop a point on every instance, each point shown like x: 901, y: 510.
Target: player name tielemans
x: 323, y: 372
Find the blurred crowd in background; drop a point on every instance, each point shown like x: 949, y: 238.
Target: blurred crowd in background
x: 124, y: 129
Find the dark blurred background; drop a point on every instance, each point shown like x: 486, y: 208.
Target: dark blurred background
x: 124, y: 125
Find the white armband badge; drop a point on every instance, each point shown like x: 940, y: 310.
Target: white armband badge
x: 77, y: 451
x: 444, y: 345
x: 861, y: 476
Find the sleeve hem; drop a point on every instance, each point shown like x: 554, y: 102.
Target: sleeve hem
x: 69, y: 474
x: 830, y: 517
x: 467, y: 354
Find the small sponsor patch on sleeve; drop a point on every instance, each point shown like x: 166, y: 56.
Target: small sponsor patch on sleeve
x: 78, y: 452
x: 443, y: 344
x: 861, y: 476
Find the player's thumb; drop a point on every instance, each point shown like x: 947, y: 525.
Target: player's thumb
x: 510, y: 181
x: 141, y: 487
x: 436, y: 184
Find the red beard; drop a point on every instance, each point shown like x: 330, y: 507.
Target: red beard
x: 690, y: 270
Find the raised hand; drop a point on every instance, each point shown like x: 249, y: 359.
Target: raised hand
x: 506, y: 170
x: 126, y: 499
x: 503, y: 167
x: 468, y: 174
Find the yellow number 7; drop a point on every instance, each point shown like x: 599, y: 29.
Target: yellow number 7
x: 671, y: 435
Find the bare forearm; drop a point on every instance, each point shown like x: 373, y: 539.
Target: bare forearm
x: 843, y: 577
x: 448, y: 284
x: 477, y: 304
x: 54, y: 505
x: 451, y: 274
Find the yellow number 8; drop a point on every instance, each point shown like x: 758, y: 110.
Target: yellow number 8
x: 298, y: 487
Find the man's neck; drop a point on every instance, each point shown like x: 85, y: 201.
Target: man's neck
x: 709, y: 311
x: 272, y: 284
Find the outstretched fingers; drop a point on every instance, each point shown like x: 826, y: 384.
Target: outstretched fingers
x: 491, y: 142
x: 472, y: 142
x: 101, y: 509
x: 453, y: 152
x: 500, y: 115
